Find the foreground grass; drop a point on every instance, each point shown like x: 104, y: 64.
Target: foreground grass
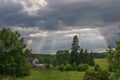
x: 45, y: 74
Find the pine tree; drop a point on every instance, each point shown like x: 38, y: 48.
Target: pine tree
x: 74, y: 53
x: 75, y: 44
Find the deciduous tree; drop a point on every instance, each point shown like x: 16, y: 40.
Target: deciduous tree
x: 13, y: 54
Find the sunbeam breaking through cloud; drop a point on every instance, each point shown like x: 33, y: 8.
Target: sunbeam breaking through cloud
x: 40, y: 21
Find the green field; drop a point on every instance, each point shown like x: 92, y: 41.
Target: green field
x: 102, y: 62
x: 44, y: 74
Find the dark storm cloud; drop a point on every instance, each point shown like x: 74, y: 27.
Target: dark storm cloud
x: 90, y: 13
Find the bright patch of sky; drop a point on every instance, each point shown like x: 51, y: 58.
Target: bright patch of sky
x: 51, y: 41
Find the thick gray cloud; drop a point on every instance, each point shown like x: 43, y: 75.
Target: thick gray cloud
x: 49, y: 16
x: 90, y: 13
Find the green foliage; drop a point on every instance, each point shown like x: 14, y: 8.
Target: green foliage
x: 75, y: 44
x: 82, y: 57
x: 74, y: 56
x: 74, y: 66
x: 61, y: 67
x: 68, y: 67
x: 82, y: 67
x: 13, y: 54
x: 90, y: 75
x: 103, y: 75
x: 99, y: 55
x: 110, y: 68
x: 86, y: 58
x: 62, y: 57
x: 97, y: 67
x: 91, y: 61
x: 45, y: 58
x: 54, y: 74
x: 49, y: 66
x: 114, y: 76
x: 114, y: 59
x: 96, y: 75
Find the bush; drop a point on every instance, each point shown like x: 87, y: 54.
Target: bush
x: 97, y: 67
x: 103, y: 75
x: 61, y: 67
x: 110, y: 68
x: 74, y: 66
x: 47, y: 66
x: 51, y: 66
x: 96, y: 75
x: 90, y: 75
x: 68, y: 67
x: 82, y: 67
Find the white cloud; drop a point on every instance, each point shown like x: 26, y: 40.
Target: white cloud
x: 73, y: 30
x: 31, y: 6
x: 71, y: 34
x: 26, y: 29
x: 44, y: 34
x: 70, y: 1
x: 29, y: 42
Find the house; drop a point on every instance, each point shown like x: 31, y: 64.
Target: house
x: 35, y: 62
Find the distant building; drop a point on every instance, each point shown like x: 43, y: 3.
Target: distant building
x: 35, y: 62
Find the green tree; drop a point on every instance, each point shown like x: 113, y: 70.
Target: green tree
x: 86, y: 58
x: 74, y: 56
x: 91, y: 59
x: 75, y: 44
x: 13, y: 54
x: 115, y: 62
x: 62, y: 57
x: 114, y: 59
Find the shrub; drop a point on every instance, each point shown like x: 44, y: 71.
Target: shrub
x: 51, y: 66
x: 110, y: 68
x: 103, y: 75
x: 68, y: 67
x: 61, y: 67
x: 90, y: 75
x: 96, y: 75
x: 47, y: 66
x: 74, y: 66
x: 97, y: 67
x: 82, y: 67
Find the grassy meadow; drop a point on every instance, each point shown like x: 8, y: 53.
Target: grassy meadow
x: 49, y: 74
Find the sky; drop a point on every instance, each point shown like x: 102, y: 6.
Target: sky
x: 49, y: 25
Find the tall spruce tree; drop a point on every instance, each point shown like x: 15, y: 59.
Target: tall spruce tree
x: 75, y: 44
x: 74, y: 51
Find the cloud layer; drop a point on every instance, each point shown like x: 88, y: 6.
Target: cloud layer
x: 41, y: 21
